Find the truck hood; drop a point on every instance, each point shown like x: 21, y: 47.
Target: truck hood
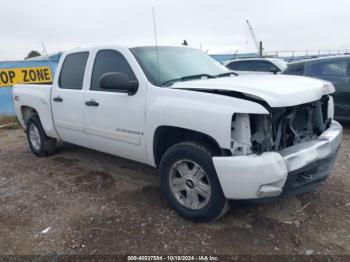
x: 276, y: 90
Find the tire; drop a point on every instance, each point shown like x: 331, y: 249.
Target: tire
x: 199, y: 197
x: 41, y: 145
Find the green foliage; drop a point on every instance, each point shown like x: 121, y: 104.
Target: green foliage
x: 32, y: 54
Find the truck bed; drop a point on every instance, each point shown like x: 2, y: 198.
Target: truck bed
x: 38, y: 96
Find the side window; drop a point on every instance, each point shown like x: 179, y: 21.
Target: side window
x: 336, y: 68
x: 297, y: 70
x: 242, y: 66
x: 73, y: 70
x: 262, y: 66
x: 109, y: 61
x: 233, y: 66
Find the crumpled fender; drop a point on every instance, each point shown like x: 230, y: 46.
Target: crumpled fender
x: 206, y: 113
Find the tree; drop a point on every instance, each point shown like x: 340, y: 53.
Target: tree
x: 32, y: 54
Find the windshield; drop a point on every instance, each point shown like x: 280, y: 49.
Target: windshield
x: 281, y: 63
x: 176, y: 64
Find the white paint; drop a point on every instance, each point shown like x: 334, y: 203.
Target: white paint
x: 276, y: 90
x: 241, y: 176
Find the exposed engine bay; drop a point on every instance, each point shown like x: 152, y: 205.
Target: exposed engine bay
x: 282, y: 128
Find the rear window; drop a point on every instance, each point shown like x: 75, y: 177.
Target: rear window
x: 73, y: 70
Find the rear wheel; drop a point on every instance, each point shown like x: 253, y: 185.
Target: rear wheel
x: 39, y: 143
x: 190, y: 184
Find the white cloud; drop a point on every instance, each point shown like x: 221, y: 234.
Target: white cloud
x: 219, y: 25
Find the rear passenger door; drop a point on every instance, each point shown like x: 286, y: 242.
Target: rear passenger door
x: 67, y: 99
x: 114, y: 121
x: 336, y: 71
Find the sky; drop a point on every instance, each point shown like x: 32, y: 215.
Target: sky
x: 217, y: 26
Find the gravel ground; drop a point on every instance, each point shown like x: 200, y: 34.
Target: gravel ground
x: 81, y: 201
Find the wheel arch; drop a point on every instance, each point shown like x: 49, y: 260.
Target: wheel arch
x: 167, y: 136
x: 27, y: 112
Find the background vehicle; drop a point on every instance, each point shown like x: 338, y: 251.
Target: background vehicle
x: 257, y: 65
x: 212, y: 135
x: 334, y: 69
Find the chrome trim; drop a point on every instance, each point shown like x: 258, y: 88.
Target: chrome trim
x: 269, y: 191
x: 190, y: 184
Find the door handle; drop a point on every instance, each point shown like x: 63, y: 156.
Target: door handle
x: 57, y: 99
x: 91, y: 103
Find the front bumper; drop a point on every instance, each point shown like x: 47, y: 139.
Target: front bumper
x: 271, y: 174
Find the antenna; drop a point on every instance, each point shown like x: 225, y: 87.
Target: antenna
x: 235, y: 54
x: 47, y: 57
x: 155, y: 38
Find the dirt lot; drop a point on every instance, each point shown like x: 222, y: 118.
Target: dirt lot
x: 95, y: 203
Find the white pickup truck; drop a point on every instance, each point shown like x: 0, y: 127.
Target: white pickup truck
x: 213, y: 135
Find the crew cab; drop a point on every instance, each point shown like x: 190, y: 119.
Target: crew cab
x: 213, y: 135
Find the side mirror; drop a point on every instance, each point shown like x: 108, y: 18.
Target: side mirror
x: 119, y: 82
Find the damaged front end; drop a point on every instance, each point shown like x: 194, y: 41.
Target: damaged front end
x: 282, y: 128
x: 288, y: 151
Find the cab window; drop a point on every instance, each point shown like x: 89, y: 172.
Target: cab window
x: 73, y: 70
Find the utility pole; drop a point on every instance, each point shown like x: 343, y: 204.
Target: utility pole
x: 261, y: 49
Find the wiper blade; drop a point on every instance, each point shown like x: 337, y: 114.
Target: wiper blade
x: 197, y: 76
x: 227, y: 74
x: 186, y: 78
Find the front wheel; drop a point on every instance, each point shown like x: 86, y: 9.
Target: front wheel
x: 189, y: 182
